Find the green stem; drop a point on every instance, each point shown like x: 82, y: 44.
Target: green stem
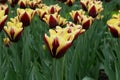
x: 54, y: 67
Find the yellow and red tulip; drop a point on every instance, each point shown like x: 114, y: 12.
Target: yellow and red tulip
x: 114, y: 25
x: 3, y: 19
x: 76, y: 14
x: 23, y: 3
x: 51, y: 19
x: 54, y: 9
x: 85, y: 21
x: 54, y: 20
x: 32, y: 4
x: 58, y: 43
x: 69, y: 2
x: 94, y: 8
x: 84, y: 4
x: 76, y: 30
x: 25, y: 15
x: 14, y: 29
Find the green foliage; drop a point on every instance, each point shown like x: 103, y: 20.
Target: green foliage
x: 27, y: 60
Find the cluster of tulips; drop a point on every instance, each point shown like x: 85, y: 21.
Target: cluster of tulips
x: 62, y: 33
x: 114, y: 25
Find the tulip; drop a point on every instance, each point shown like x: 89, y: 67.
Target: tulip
x: 76, y: 30
x: 32, y: 4
x: 76, y: 14
x: 25, y: 15
x: 54, y: 20
x: 5, y: 8
x: 58, y: 43
x: 95, y: 8
x: 14, y: 29
x: 85, y: 3
x: 85, y: 21
x: 6, y: 42
x: 114, y: 27
x: 53, y: 9
x: 3, y: 19
x: 51, y: 19
x: 69, y: 2
x: 23, y: 3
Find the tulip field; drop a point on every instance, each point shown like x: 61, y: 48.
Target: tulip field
x: 60, y: 40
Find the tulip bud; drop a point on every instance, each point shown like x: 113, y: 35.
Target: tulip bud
x: 58, y: 43
x: 85, y: 21
x: 76, y: 30
x: 76, y: 14
x: 69, y: 2
x: 54, y: 9
x: 32, y: 4
x: 51, y: 19
x: 84, y: 4
x: 25, y: 15
x: 95, y: 8
x: 23, y: 3
x: 14, y: 29
x: 114, y: 27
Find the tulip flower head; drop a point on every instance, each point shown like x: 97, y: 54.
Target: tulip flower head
x: 114, y: 25
x: 85, y: 21
x: 23, y: 3
x: 70, y: 2
x: 85, y: 3
x: 94, y: 8
x: 58, y: 42
x: 76, y: 14
x: 25, y: 15
x: 3, y: 19
x: 51, y: 19
x: 75, y: 29
x: 54, y: 20
x: 14, y: 29
x: 32, y: 4
x: 54, y: 9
